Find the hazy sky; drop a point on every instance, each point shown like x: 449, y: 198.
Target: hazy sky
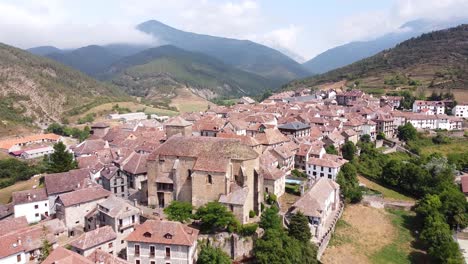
x: 306, y: 27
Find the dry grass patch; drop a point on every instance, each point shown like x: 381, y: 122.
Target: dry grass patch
x: 362, y: 232
x: 5, y: 193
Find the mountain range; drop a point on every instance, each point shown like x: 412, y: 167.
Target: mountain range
x: 40, y: 90
x: 351, y: 52
x: 436, y: 59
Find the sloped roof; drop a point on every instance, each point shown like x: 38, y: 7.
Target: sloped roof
x: 296, y: 125
x: 94, y: 238
x: 237, y: 197
x: 164, y: 232
x: 84, y: 195
x: 29, y: 196
x: 177, y: 121
x: 65, y: 181
x: 61, y: 255
x: 101, y: 257
x: 8, y: 143
x: 312, y: 203
x: 118, y: 207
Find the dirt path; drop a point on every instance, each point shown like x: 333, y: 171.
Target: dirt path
x: 361, y: 232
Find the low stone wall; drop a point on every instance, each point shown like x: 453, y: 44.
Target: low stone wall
x: 237, y: 247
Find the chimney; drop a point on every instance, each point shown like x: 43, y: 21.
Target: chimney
x: 19, y: 241
x: 29, y: 196
x: 135, y: 202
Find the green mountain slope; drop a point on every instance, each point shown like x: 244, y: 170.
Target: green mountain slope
x: 39, y: 90
x: 243, y: 54
x: 158, y: 72
x: 436, y: 60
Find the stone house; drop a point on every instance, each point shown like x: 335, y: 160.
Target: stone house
x: 72, y: 207
x: 205, y: 169
x: 103, y: 238
x: 161, y: 242
x: 178, y: 125
x: 295, y: 129
x: 274, y: 180
x: 113, y: 180
x: 117, y: 213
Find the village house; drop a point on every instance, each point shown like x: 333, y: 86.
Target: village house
x: 326, y: 166
x: 72, y: 207
x: 274, y: 180
x: 178, y: 125
x: 33, y: 204
x: 205, y: 169
x: 436, y: 107
x: 385, y: 124
x: 64, y: 182
x: 321, y: 205
x: 117, y: 213
x: 103, y: 238
x: 246, y: 100
x: 113, y: 180
x: 134, y: 167
x: 346, y: 98
x: 460, y: 110
x: 295, y: 129
x: 162, y: 242
x: 16, y: 144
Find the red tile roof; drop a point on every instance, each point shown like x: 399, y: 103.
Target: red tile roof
x: 94, y: 238
x: 83, y: 196
x: 164, y: 232
x: 61, y: 255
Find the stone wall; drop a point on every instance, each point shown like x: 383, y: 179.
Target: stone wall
x: 237, y: 247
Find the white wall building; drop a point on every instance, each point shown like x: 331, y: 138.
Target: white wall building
x: 33, y: 204
x: 437, y: 107
x: 327, y: 166
x: 460, y: 110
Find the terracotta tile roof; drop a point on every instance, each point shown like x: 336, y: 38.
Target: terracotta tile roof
x: 272, y: 173
x: 135, y: 163
x: 177, y: 121
x: 109, y: 171
x: 8, y: 143
x: 271, y: 137
x: 312, y: 203
x: 89, y: 146
x: 212, y: 154
x: 29, y: 196
x: 83, y: 196
x: 12, y: 224
x: 118, y: 207
x: 101, y: 257
x: 94, y: 238
x: 10, y: 245
x: 328, y: 160
x: 61, y: 255
x: 164, y: 232
x: 65, y: 181
x: 247, y: 140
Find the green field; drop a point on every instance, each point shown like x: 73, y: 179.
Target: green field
x: 387, y: 193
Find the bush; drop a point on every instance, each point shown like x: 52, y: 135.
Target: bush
x: 212, y: 255
x: 179, y: 211
x: 252, y: 214
x: 248, y: 229
x: 214, y: 216
x: 272, y: 198
x: 298, y: 174
x: 292, y: 189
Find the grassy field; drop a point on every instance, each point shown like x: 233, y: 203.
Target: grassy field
x: 370, y: 235
x: 457, y: 145
x: 186, y: 101
x: 103, y: 110
x: 387, y: 193
x: 5, y: 193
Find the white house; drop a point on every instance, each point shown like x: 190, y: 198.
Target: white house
x: 33, y: 204
x: 460, y: 110
x: 162, y: 242
x: 37, y: 152
x: 437, y: 107
x: 319, y: 204
x: 326, y: 166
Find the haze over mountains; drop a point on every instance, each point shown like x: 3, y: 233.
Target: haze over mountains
x: 437, y: 59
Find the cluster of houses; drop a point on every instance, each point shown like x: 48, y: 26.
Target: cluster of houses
x: 109, y: 210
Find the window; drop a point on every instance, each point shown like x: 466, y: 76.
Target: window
x: 329, y: 169
x: 137, y: 250
x: 133, y: 219
x: 137, y: 261
x: 45, y: 204
x: 152, y: 251
x: 152, y: 262
x: 189, y: 175
x: 168, y: 252
x: 209, y: 179
x: 122, y: 188
x: 18, y: 258
x: 36, y: 215
x: 36, y: 206
x: 115, y: 189
x: 121, y: 241
x: 120, y: 222
x: 110, y: 245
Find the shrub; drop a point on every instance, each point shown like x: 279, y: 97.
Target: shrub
x: 272, y: 198
x: 248, y: 229
x: 252, y: 214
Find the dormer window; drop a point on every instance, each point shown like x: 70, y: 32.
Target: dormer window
x: 147, y: 234
x: 168, y: 236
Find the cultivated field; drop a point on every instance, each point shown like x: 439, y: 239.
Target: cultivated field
x: 186, y: 101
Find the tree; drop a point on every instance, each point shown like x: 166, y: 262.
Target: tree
x: 212, y: 255
x: 349, y: 184
x: 45, y: 250
x: 215, y: 216
x: 349, y: 150
x: 381, y: 135
x: 61, y: 160
x: 331, y: 150
x: 179, y: 211
x: 391, y: 172
x: 454, y: 207
x: 365, y: 138
x: 299, y: 227
x: 270, y: 219
x: 407, y: 132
